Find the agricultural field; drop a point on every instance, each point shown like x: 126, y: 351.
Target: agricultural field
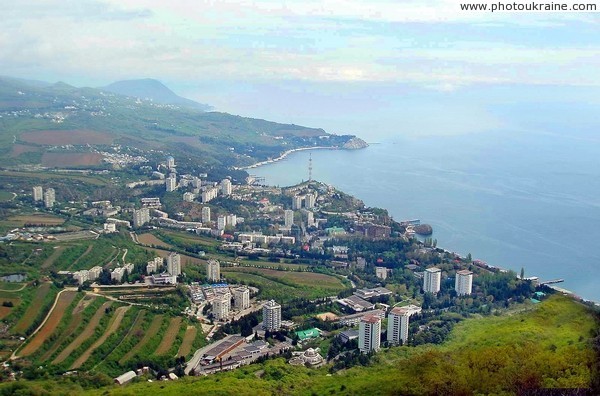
x: 151, y: 240
x: 65, y: 298
x: 33, y: 220
x: 65, y: 137
x: 37, y: 305
x: 286, y: 285
x: 173, y: 330
x: 52, y: 159
x: 188, y: 340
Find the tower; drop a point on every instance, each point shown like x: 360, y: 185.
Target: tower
x: 310, y: 167
x: 369, y: 334
x: 271, y: 316
x: 431, y: 280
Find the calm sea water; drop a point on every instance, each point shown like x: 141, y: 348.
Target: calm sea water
x: 513, y: 199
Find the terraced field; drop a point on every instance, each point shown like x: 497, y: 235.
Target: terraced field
x: 34, y: 309
x: 188, y: 341
x: 148, y: 334
x: 64, y: 300
x: 170, y: 336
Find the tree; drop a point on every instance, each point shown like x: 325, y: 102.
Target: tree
x: 522, y: 273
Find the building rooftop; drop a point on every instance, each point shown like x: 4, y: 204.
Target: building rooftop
x: 371, y: 319
x: 310, y: 333
x: 433, y: 269
x: 464, y: 272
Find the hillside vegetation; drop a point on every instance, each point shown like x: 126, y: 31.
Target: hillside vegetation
x: 550, y: 345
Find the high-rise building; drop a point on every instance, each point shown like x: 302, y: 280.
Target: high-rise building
x: 206, y: 214
x: 398, y: 319
x: 288, y: 217
x: 141, y: 217
x: 369, y: 334
x: 49, y: 198
x: 174, y: 264
x: 431, y: 280
x: 221, y: 306
x: 221, y: 222
x: 464, y: 282
x: 38, y: 193
x: 226, y: 187
x: 213, y: 271
x: 297, y: 202
x: 309, y: 201
x: 170, y: 162
x: 271, y: 316
x: 310, y: 218
x: 171, y: 184
x: 209, y: 193
x: 241, y: 298
x: 231, y: 220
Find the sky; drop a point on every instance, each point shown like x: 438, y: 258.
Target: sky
x: 233, y: 53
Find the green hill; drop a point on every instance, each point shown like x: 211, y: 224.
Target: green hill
x: 551, y: 345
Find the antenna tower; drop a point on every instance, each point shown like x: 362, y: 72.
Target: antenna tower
x: 310, y: 167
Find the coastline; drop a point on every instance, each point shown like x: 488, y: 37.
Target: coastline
x: 285, y: 154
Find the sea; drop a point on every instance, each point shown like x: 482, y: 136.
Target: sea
x: 512, y: 198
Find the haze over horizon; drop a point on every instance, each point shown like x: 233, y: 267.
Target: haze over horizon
x: 316, y: 64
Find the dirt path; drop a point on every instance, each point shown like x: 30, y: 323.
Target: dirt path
x: 112, y: 327
x: 85, y: 334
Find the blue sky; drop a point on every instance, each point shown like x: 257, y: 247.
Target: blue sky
x: 226, y: 52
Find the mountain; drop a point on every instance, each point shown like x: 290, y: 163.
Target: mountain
x: 154, y: 90
x: 58, y: 125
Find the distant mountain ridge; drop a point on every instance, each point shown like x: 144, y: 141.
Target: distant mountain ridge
x: 149, y: 88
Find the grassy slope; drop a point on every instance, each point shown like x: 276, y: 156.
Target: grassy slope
x: 548, y: 346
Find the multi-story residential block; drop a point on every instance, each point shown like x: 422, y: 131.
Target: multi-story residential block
x: 432, y: 280
x: 297, y: 202
x: 398, y: 321
x: 206, y: 214
x: 226, y: 187
x: 221, y: 222
x: 171, y: 184
x: 141, y: 217
x: 271, y: 316
x: 309, y: 201
x: 288, y: 218
x: 464, y: 282
x: 188, y: 197
x: 241, y: 298
x: 221, y: 306
x: 174, y: 264
x: 213, y: 271
x: 49, y: 198
x: 38, y: 193
x: 369, y: 334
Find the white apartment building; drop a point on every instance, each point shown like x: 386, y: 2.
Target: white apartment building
x: 206, y: 214
x: 141, y: 217
x: 241, y: 298
x: 188, y: 197
x: 231, y: 220
x: 226, y: 187
x: 174, y: 264
x: 49, y: 198
x: 398, y: 321
x: 431, y: 280
x: 271, y: 316
x: 170, y: 162
x: 209, y: 194
x: 38, y: 193
x: 221, y: 222
x: 213, y: 271
x: 369, y: 334
x: 171, y: 184
x: 297, y: 202
x: 94, y: 273
x: 309, y: 201
x: 463, y: 283
x: 381, y: 272
x: 288, y: 218
x: 221, y: 306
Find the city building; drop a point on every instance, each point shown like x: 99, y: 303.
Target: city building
x: 241, y: 298
x: 171, y: 184
x: 226, y: 187
x: 174, y: 264
x: 464, y: 282
x: 309, y: 201
x: 369, y: 334
x: 206, y: 214
x: 170, y: 162
x: 231, y: 220
x: 154, y: 265
x: 141, y: 217
x: 38, y: 193
x: 109, y: 227
x: 431, y: 280
x: 398, y: 319
x: 297, y: 202
x: 381, y: 272
x: 310, y: 219
x: 288, y: 218
x: 188, y: 197
x: 209, y: 193
x: 117, y: 274
x: 221, y: 306
x: 213, y: 271
x: 271, y: 316
x: 221, y: 222
x: 49, y: 198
